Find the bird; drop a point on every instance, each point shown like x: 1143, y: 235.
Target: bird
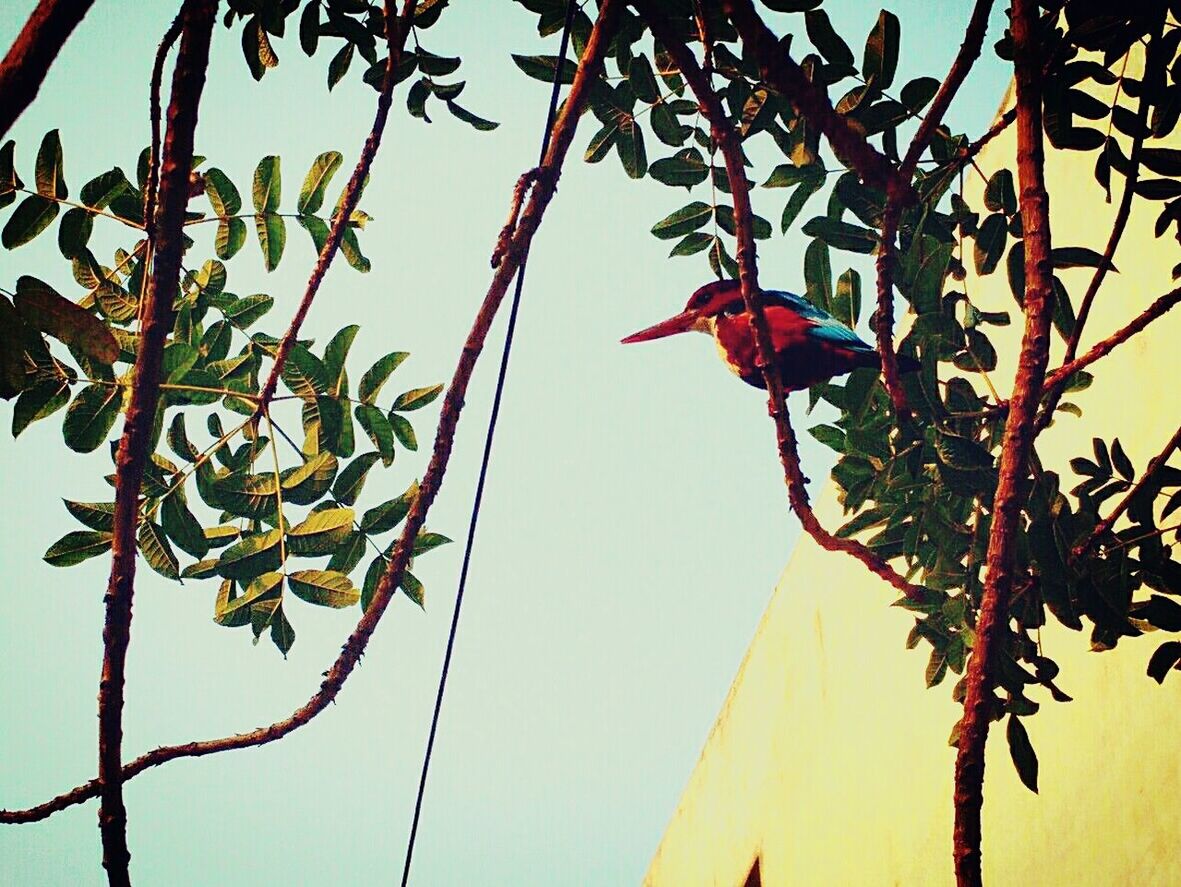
x: 811, y: 346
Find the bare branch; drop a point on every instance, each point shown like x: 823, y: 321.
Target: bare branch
x: 166, y: 44
x: 783, y: 75
x: 33, y: 52
x: 992, y: 619
x: 590, y: 67
x: 1101, y: 349
x: 727, y: 140
x: 135, y: 445
x: 396, y: 31
x: 887, y: 257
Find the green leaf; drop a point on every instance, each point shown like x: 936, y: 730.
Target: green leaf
x: 691, y: 244
x: 1021, y: 750
x: 90, y: 417
x: 256, y: 554
x: 436, y: 65
x: 282, y: 632
x: 40, y: 306
x: 339, y: 65
x: 49, y: 174
x: 350, y: 481
x: 153, y: 545
x: 268, y: 184
x: 687, y: 167
x: 308, y: 482
x: 352, y: 251
x: 881, y: 51
x: 377, y: 375
x: 304, y: 374
x: 41, y: 400
x: 9, y: 180
x: 602, y: 142
x: 799, y: 197
x: 1121, y: 461
x: 1000, y: 194
x: 324, y: 588
x: 30, y: 218
x: 842, y: 235
x: 542, y: 67
x: 404, y: 431
x: 377, y: 426
x: 73, y: 234
x: 962, y: 452
x: 349, y: 553
x: 428, y: 542
x: 75, y: 547
x: 247, y: 310
x: 315, y: 183
x: 416, y: 398
x: 1078, y: 257
x: 472, y: 120
x: 272, y: 238
x: 235, y: 612
x: 320, y: 532
x: 688, y: 218
x: 826, y: 40
x: 918, y: 92
x: 248, y: 495
x: 332, y: 419
x: 847, y: 301
x: 389, y: 514
x: 818, y: 275
x: 630, y: 147
x: 220, y: 537
x: 105, y: 187
x: 336, y: 352
x: 309, y: 28
x: 201, y: 570
x: 181, y: 527
x: 990, y: 243
x: 229, y: 238
x: 413, y: 588
x: 223, y: 196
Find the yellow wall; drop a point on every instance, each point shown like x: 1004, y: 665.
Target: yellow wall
x: 830, y: 760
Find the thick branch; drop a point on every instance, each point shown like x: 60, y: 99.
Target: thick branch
x: 782, y: 74
x: 992, y: 619
x: 888, y: 255
x: 166, y: 44
x: 1101, y: 349
x: 36, y: 48
x: 396, y: 31
x: 135, y: 445
x: 727, y: 140
x: 589, y: 69
x: 1108, y: 522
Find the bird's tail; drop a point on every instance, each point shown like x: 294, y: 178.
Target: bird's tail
x: 906, y: 363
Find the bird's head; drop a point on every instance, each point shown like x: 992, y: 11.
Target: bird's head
x: 705, y: 304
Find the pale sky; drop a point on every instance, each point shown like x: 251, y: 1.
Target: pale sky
x: 634, y: 525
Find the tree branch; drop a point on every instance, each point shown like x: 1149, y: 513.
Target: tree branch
x: 1108, y: 522
x: 1055, y: 387
x: 782, y: 74
x: 546, y: 177
x: 727, y: 140
x: 33, y: 52
x: 992, y: 619
x: 892, y: 215
x: 1101, y: 349
x: 135, y: 445
x: 396, y: 30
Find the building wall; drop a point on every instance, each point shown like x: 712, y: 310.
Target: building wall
x: 829, y: 761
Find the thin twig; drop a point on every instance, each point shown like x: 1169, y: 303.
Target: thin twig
x: 892, y: 214
x: 726, y: 139
x: 134, y: 446
x: 588, y: 70
x: 396, y: 30
x: 1105, y: 347
x: 992, y: 619
x: 33, y: 53
x: 1102, y: 528
x: 781, y: 73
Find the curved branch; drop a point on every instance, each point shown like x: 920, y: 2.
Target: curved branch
x: 33, y: 52
x: 1101, y: 349
x: 515, y: 250
x: 782, y: 74
x: 892, y: 215
x: 396, y: 30
x: 992, y: 619
x: 727, y: 140
x: 135, y: 444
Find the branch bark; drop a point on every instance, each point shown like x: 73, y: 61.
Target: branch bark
x: 33, y: 52
x: 187, y: 84
x: 992, y: 619
x: 892, y: 215
x: 514, y: 253
x: 782, y: 74
x: 727, y: 141
x: 1059, y: 376
x: 397, y: 28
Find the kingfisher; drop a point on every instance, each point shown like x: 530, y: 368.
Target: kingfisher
x: 811, y: 345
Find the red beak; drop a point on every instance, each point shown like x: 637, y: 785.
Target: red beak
x: 680, y: 323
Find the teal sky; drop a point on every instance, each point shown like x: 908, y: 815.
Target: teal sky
x: 634, y: 525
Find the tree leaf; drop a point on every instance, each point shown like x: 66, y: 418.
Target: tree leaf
x: 181, y: 526
x: 73, y: 234
x: 842, y: 235
x: 268, y: 184
x: 389, y: 514
x: 377, y: 375
x: 320, y: 532
x: 336, y: 352
x: 90, y: 417
x: 473, y: 120
x: 1021, y: 750
x: 339, y: 65
x: 428, y: 542
x: 105, y: 187
x: 49, y: 173
x: 235, y: 612
x: 324, y: 588
x: 31, y: 216
x: 77, y: 546
x: 349, y: 553
x: 308, y: 482
x: 223, y: 196
x: 256, y: 554
x: 1078, y: 257
x: 542, y: 67
x: 350, y: 481
x: 826, y: 40
x: 39, y: 305
x: 377, y: 426
x: 229, y: 238
x: 272, y: 238
x: 315, y: 183
x: 990, y: 243
x: 881, y: 51
x: 688, y: 218
x: 416, y: 398
x: 1000, y: 195
x: 153, y: 545
x: 282, y: 632
x: 41, y: 400
x: 403, y: 430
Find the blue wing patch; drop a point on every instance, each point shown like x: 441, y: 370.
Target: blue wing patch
x: 827, y: 327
